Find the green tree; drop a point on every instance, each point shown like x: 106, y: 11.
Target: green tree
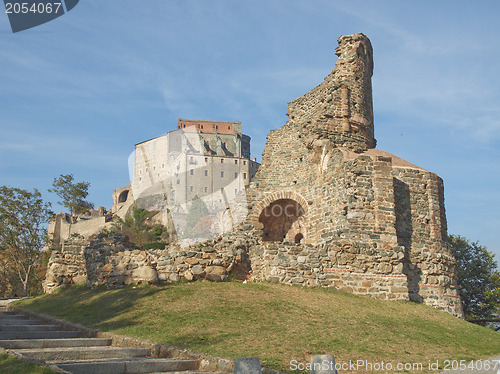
x: 478, y: 279
x: 23, y: 218
x: 198, y: 212
x: 72, y: 194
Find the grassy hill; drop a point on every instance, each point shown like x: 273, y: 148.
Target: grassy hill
x: 278, y: 323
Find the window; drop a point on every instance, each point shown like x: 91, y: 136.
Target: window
x: 178, y: 181
x: 163, y: 166
x: 202, y: 126
x: 221, y: 160
x: 206, y: 189
x: 244, y: 162
x: 222, y: 174
x: 217, y: 127
x: 236, y: 162
x: 244, y: 175
x: 191, y: 159
x: 154, y: 167
x: 140, y: 179
x: 235, y: 191
x: 206, y: 159
x: 229, y: 127
x: 191, y: 172
x: 191, y: 188
x: 235, y: 175
x: 206, y: 173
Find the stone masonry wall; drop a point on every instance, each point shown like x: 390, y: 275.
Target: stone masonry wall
x: 325, y: 209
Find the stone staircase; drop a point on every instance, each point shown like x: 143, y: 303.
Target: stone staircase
x: 73, y: 353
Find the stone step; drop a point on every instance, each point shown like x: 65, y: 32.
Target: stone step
x: 10, y: 315
x: 20, y: 328
x: 83, y: 353
x: 19, y: 321
x: 132, y: 366
x: 54, y: 343
x: 15, y: 335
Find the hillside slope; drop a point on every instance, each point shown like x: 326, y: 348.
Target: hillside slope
x: 278, y: 323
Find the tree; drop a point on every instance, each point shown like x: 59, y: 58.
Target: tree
x: 196, y: 219
x: 23, y: 216
x: 72, y: 194
x: 478, y: 279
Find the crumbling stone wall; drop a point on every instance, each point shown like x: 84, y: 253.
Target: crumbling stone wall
x: 113, y: 261
x: 325, y: 209
x: 376, y: 218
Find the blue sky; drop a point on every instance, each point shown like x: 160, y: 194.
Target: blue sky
x: 77, y: 93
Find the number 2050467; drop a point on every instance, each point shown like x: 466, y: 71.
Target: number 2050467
x: 25, y: 8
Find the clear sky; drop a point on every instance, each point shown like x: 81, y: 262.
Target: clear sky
x: 77, y: 93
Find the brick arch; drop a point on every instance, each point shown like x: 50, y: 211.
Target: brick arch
x: 281, y: 195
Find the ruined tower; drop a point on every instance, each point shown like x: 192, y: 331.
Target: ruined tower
x: 331, y: 210
x: 340, y: 109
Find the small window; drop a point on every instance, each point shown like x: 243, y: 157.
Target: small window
x: 244, y: 162
x: 191, y: 159
x: 191, y: 172
x: 202, y: 126
x: 244, y: 175
x: 154, y: 167
x: 206, y: 159
x: 191, y: 188
x: 178, y: 181
x: 206, y: 173
x: 235, y: 191
x: 236, y: 162
x: 206, y: 189
x: 235, y: 175
x: 217, y: 127
x: 222, y: 174
x: 140, y: 179
x: 163, y: 166
x: 221, y: 160
x: 229, y: 127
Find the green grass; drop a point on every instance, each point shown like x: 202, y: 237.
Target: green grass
x: 278, y: 323
x: 11, y: 365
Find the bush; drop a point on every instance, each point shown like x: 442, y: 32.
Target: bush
x: 154, y: 245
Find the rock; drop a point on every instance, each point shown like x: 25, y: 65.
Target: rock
x: 107, y: 267
x: 216, y: 270
x: 188, y: 275
x: 192, y: 261
x: 247, y: 365
x: 323, y: 364
x: 174, y: 277
x: 301, y: 259
x: 198, y: 271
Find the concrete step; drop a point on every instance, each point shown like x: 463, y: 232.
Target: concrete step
x: 19, y: 321
x: 15, y: 335
x: 10, y: 315
x: 54, y: 343
x: 83, y: 353
x: 8, y: 328
x: 132, y: 366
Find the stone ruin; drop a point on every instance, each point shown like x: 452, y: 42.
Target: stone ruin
x: 325, y: 209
